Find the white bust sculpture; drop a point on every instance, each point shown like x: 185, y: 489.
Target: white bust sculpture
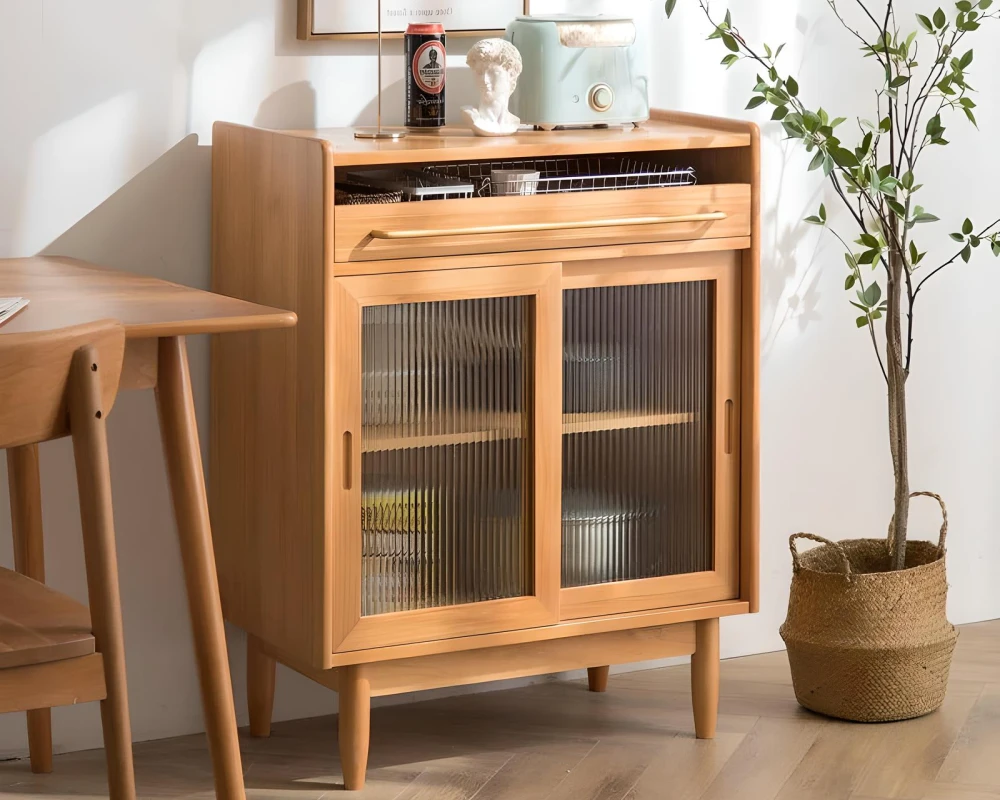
x: 496, y: 65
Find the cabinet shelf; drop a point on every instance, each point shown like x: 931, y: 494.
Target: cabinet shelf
x: 617, y: 421
x: 501, y: 427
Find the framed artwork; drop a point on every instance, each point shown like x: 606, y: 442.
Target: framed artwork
x: 358, y: 19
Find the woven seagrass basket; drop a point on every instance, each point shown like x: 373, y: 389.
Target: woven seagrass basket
x: 865, y: 643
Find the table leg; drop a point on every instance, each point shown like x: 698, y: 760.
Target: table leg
x: 25, y: 486
x: 179, y: 431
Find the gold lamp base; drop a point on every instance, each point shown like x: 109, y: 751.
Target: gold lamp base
x: 380, y: 134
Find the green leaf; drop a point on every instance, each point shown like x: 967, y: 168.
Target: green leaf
x: 914, y: 254
x: 957, y: 237
x: 670, y: 6
x: 793, y: 86
x: 939, y: 19
x: 817, y: 160
x: 730, y: 41
x: 780, y: 112
x: 963, y: 5
x: 925, y: 218
x: 868, y: 257
x: 967, y: 253
x: 899, y: 80
x: 861, y: 321
x: 813, y: 220
x: 984, y: 4
x: 838, y: 121
x: 759, y: 100
x: 925, y: 23
x: 873, y: 294
x: 907, y: 180
x: 729, y: 60
x: 965, y: 60
x: 967, y: 227
x: 996, y: 248
x: 850, y: 281
x: 868, y: 240
x: 822, y: 212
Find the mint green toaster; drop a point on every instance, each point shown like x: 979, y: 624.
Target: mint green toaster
x: 578, y: 71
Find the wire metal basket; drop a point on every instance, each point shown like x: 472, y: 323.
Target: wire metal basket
x: 556, y: 175
x: 414, y: 184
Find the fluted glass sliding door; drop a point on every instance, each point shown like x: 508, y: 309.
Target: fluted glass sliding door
x: 446, y: 442
x: 649, y: 491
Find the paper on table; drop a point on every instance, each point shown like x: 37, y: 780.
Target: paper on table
x: 9, y: 306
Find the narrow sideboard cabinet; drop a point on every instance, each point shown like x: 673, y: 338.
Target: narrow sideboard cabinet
x: 516, y: 429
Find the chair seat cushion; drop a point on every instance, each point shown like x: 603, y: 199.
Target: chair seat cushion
x: 38, y: 624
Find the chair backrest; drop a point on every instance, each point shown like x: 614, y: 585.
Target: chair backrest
x: 35, y: 370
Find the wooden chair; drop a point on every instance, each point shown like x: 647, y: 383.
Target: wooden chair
x: 54, y: 651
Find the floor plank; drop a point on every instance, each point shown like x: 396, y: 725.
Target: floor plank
x: 557, y: 741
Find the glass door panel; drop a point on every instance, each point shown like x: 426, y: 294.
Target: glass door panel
x: 447, y: 465
x: 638, y: 432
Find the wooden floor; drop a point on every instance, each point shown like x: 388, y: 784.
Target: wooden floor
x: 636, y: 742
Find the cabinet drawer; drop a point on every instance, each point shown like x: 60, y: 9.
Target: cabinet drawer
x: 504, y: 224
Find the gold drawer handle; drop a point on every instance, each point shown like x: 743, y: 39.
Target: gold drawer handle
x: 530, y: 227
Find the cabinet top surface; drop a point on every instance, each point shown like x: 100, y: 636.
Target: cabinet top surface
x: 670, y: 132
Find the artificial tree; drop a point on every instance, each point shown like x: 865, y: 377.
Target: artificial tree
x: 876, y: 179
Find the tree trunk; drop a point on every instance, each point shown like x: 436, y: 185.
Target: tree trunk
x: 896, y: 377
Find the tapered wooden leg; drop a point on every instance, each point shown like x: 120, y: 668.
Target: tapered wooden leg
x: 90, y: 448
x: 354, y: 725
x: 179, y: 431
x: 705, y: 678
x: 25, y: 486
x: 260, y: 688
x: 597, y: 678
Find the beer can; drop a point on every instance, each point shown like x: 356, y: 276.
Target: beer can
x: 425, y: 74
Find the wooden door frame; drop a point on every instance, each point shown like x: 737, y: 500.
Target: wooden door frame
x: 723, y: 582
x: 352, y: 631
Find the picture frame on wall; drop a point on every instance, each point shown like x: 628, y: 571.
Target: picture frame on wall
x: 358, y: 19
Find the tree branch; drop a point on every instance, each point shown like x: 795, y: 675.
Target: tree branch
x: 951, y: 260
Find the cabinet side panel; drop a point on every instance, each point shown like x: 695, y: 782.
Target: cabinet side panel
x: 268, y: 440
x: 750, y: 392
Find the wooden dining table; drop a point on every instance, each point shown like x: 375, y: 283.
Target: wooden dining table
x: 157, y: 315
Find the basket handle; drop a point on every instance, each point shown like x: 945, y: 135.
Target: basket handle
x: 942, y: 537
x: 796, y: 566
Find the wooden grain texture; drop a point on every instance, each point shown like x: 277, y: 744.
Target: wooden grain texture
x: 665, y: 131
x: 526, y: 743
x: 34, y: 374
x: 65, y: 291
x: 722, y: 582
x: 25, y: 493
x: 561, y: 630
x: 179, y: 435
x: 354, y: 723
x: 563, y: 255
x: 354, y: 225
x: 88, y: 419
x: 597, y: 678
x: 39, y: 624
x: 705, y: 678
x: 261, y: 668
x: 56, y: 683
x: 270, y: 445
x: 352, y: 631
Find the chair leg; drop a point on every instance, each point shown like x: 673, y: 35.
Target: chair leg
x: 354, y: 723
x: 705, y: 678
x: 597, y: 678
x: 260, y: 688
x: 90, y: 448
x: 24, y: 483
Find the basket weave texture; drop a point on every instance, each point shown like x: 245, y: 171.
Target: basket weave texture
x: 865, y: 643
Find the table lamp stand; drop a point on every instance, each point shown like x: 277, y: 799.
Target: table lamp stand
x: 378, y: 133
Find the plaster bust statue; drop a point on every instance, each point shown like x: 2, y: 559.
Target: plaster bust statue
x: 496, y: 64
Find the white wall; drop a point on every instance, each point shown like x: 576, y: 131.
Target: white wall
x: 106, y: 109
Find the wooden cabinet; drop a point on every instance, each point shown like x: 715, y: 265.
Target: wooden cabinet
x: 510, y: 434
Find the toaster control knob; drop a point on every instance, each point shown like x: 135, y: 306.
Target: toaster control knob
x: 601, y: 97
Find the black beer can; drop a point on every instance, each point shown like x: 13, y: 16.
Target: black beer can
x: 425, y: 75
